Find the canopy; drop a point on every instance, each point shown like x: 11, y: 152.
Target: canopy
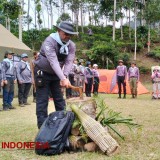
x: 10, y: 42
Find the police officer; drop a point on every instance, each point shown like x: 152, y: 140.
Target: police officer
x: 88, y: 79
x: 57, y: 52
x: 9, y: 78
x: 121, y: 73
x: 24, y: 76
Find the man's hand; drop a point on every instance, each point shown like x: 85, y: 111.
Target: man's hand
x: 33, y: 82
x: 5, y: 82
x: 20, y: 82
x: 15, y: 81
x: 65, y: 83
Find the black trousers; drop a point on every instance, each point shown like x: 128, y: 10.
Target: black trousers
x: 88, y: 87
x: 121, y: 83
x: 34, y: 94
x: 23, y: 91
x: 69, y: 92
x: 52, y: 84
x: 96, y: 85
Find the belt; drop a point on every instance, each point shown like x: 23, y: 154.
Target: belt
x: 9, y: 76
x: 133, y: 77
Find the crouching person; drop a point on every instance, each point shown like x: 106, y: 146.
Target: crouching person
x: 9, y: 78
x: 24, y: 77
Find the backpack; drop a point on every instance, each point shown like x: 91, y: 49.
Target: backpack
x: 52, y: 137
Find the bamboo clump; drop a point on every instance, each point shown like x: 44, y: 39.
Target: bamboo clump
x: 96, y: 132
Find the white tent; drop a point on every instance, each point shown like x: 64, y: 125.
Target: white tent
x: 10, y: 42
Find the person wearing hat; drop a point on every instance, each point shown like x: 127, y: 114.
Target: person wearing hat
x: 133, y: 78
x: 24, y: 76
x: 57, y: 52
x: 96, y: 79
x: 156, y: 82
x: 81, y: 72
x: 9, y: 78
x: 121, y: 73
x: 88, y: 76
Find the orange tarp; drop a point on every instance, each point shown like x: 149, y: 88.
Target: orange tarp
x: 108, y: 83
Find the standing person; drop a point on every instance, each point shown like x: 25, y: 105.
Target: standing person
x: 133, y: 78
x: 121, y: 73
x: 69, y: 92
x: 96, y: 79
x: 57, y: 52
x: 1, y: 78
x: 156, y: 83
x: 88, y: 79
x: 9, y: 78
x: 76, y: 77
x: 35, y: 56
x: 24, y: 76
x: 81, y: 72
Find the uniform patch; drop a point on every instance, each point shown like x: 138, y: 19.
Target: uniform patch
x: 47, y: 48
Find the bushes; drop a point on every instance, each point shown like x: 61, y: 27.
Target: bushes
x: 155, y: 53
x: 101, y: 51
x: 144, y: 70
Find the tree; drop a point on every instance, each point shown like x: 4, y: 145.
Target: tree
x: 50, y: 4
x: 10, y: 9
x: 64, y: 17
x: 151, y: 15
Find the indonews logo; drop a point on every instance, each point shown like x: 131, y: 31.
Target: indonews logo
x: 25, y: 145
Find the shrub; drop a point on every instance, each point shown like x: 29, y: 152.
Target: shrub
x: 155, y: 53
x: 144, y: 70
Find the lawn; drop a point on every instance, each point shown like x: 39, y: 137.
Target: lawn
x: 19, y: 125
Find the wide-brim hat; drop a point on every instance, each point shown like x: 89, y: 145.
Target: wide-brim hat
x: 67, y: 27
x: 120, y: 61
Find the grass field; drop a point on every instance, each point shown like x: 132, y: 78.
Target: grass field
x: 19, y: 125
